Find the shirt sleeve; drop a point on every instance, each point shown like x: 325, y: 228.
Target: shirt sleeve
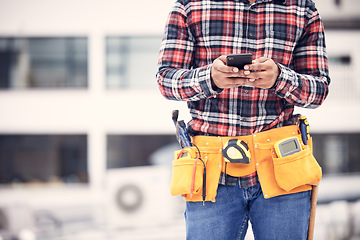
x: 176, y: 77
x: 305, y: 83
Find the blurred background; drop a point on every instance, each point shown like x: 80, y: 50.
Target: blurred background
x: 86, y: 139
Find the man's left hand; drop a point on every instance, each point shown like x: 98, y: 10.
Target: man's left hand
x: 262, y: 73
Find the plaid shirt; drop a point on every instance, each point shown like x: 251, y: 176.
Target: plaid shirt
x: 288, y: 31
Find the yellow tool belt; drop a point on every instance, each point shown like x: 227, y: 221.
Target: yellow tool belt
x: 277, y: 175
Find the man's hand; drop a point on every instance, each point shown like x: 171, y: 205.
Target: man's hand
x: 262, y: 73
x: 224, y: 76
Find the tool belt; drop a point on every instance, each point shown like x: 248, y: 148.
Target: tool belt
x: 197, y: 169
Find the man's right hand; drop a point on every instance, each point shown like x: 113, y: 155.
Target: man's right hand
x: 224, y: 76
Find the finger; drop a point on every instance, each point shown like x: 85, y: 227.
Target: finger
x: 255, y: 74
x: 257, y: 65
x: 226, y: 68
x: 237, y: 82
x: 262, y: 80
x: 222, y: 58
x: 262, y: 59
x: 232, y: 82
x: 220, y: 65
x: 260, y: 83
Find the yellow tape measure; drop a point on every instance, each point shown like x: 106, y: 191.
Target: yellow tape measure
x: 236, y: 151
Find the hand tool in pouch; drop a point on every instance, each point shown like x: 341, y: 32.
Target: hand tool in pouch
x: 181, y: 131
x: 304, y: 129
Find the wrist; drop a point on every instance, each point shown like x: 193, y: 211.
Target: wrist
x: 213, y: 84
x: 277, y: 79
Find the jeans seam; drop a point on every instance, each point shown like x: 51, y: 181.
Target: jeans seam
x: 242, y: 228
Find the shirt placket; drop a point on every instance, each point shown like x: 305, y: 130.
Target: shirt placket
x: 251, y: 25
x: 250, y: 35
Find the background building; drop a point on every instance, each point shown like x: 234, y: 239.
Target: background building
x: 86, y: 139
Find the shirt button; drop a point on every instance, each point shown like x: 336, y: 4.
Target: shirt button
x: 246, y: 91
x: 257, y: 164
x: 250, y: 34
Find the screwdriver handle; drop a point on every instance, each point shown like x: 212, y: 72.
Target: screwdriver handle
x: 304, y: 129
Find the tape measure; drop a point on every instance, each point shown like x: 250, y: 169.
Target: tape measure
x: 236, y: 151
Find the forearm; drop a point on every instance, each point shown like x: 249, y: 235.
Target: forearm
x: 185, y: 84
x: 303, y: 90
x: 177, y: 77
x: 306, y: 82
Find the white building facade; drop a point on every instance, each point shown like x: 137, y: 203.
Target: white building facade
x: 79, y: 99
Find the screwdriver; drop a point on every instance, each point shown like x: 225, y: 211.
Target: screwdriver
x: 304, y: 129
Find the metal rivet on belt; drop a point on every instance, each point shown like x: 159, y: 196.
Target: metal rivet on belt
x: 254, y: 135
x: 207, y: 144
x: 255, y: 145
x: 268, y: 140
x: 219, y: 139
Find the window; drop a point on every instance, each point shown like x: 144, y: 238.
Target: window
x: 337, y: 153
x: 58, y: 62
x: 140, y: 150
x: 131, y: 62
x: 340, y: 60
x: 343, y: 78
x: 43, y: 159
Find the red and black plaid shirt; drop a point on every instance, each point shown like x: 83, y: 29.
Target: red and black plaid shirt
x: 288, y: 31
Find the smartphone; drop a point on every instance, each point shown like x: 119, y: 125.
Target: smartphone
x: 239, y: 60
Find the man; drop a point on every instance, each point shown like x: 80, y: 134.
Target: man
x: 289, y: 68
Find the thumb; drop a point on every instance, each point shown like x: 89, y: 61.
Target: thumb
x: 261, y: 59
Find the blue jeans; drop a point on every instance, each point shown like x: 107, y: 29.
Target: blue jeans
x: 279, y: 218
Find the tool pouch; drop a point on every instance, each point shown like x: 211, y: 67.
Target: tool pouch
x: 183, y: 178
x: 298, y: 169
x: 187, y: 173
